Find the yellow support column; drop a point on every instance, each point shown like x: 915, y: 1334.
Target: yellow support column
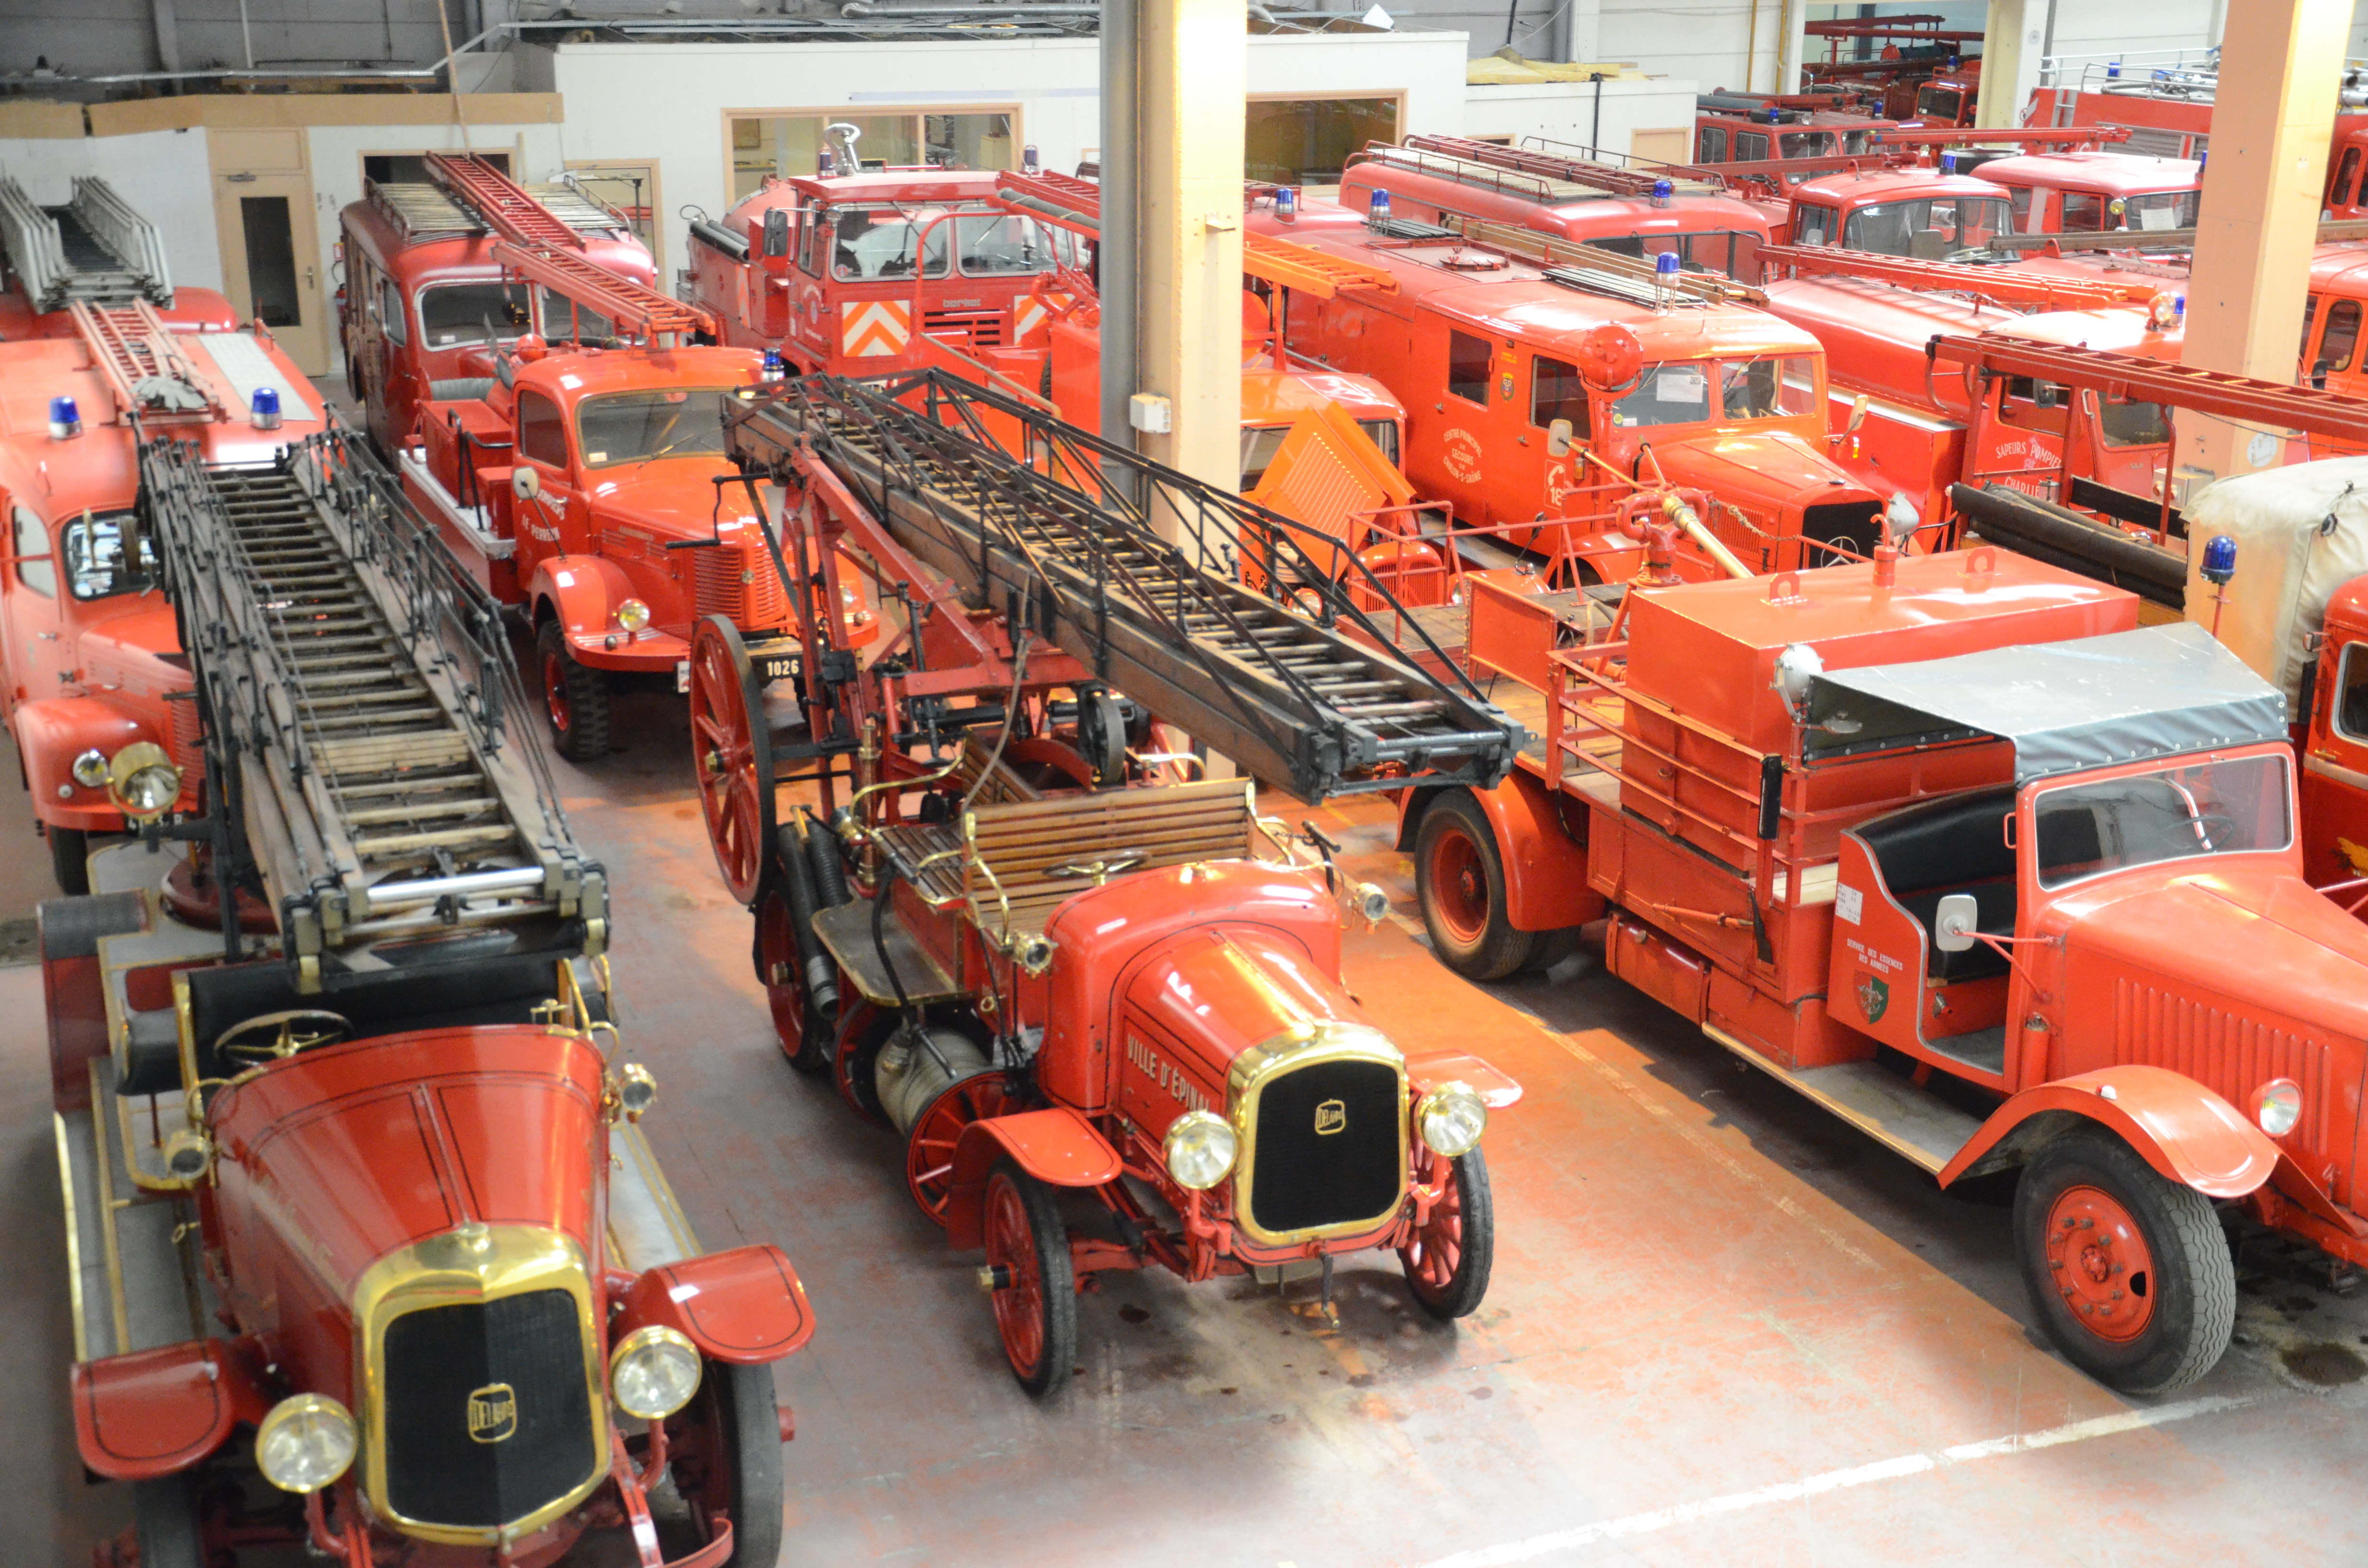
x: 2270, y: 122
x: 1193, y: 86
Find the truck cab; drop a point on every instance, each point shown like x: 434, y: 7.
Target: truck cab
x: 2081, y: 193
x: 1951, y: 98
x: 580, y: 487
x: 1926, y: 214
x: 1781, y: 135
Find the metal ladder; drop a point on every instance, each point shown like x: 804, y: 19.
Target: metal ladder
x: 95, y: 248
x: 134, y: 349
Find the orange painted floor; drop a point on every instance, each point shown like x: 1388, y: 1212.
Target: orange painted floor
x: 1723, y: 1329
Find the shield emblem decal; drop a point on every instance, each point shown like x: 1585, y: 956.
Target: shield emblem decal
x: 493, y: 1413
x: 1873, y: 997
x: 1331, y: 1117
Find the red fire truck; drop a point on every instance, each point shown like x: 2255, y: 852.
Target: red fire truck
x: 369, y: 1260
x: 91, y: 669
x: 1935, y: 840
x: 2074, y: 193
x: 1023, y: 938
x: 97, y: 249
x: 586, y: 487
x: 425, y: 284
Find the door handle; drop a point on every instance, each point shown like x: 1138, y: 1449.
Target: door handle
x: 309, y: 284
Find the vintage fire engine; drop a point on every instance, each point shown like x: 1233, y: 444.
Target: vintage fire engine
x: 98, y: 249
x: 368, y: 1255
x: 1014, y: 930
x: 427, y: 285
x: 1556, y: 394
x: 1934, y: 841
x: 2075, y: 193
x: 584, y: 486
x: 90, y: 664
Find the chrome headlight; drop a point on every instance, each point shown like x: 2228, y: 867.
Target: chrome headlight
x: 2277, y: 1105
x: 90, y: 769
x: 143, y: 781
x: 1199, y: 1149
x: 637, y: 1090
x: 633, y: 614
x: 654, y: 1372
x: 305, y: 1443
x: 1450, y: 1120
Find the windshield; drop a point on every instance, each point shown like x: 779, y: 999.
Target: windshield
x: 2122, y: 423
x: 1727, y: 252
x: 624, y: 427
x: 1938, y: 103
x: 880, y: 242
x: 2162, y: 210
x: 2213, y: 807
x: 1806, y: 143
x: 566, y: 321
x: 1006, y: 246
x: 1927, y: 228
x: 455, y: 313
x: 95, y: 565
x: 1771, y: 387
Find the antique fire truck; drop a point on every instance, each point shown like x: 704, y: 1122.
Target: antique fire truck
x: 90, y: 663
x: 586, y: 487
x: 95, y: 248
x: 1935, y: 840
x: 368, y: 1255
x: 1013, y: 928
x: 429, y: 288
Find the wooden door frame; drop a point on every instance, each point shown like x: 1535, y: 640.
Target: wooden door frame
x: 317, y: 333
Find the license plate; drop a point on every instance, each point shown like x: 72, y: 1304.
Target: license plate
x: 682, y: 675
x: 772, y: 668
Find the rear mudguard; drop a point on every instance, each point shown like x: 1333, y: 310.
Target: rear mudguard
x: 152, y: 1413
x: 1058, y: 1147
x: 744, y: 1305
x: 1546, y: 864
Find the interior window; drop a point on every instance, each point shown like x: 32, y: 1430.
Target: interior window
x: 33, y: 539
x: 2352, y: 693
x: 1816, y: 224
x: 2341, y: 337
x: 1467, y: 367
x: 390, y: 313
x: 541, y: 433
x: 2084, y: 213
x: 2339, y: 193
x: 2122, y: 423
x: 811, y: 229
x: 1383, y: 433
x: 1556, y: 393
x: 454, y: 313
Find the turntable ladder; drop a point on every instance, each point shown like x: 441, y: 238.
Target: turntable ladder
x: 1290, y: 700
x: 95, y: 248
x: 361, y: 691
x: 134, y: 350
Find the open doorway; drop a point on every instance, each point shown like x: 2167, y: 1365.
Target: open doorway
x: 1307, y: 140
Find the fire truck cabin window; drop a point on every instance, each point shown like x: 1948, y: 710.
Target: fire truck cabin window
x: 880, y: 242
x: 2123, y: 423
x: 542, y: 431
x: 2084, y: 213
x: 1943, y: 104
x: 2160, y: 210
x: 1009, y: 247
x: 1383, y: 433
x: 1713, y: 250
x: 2339, y: 193
x: 564, y: 321
x: 1807, y: 143
x: 1710, y: 144
x: 1814, y: 225
x: 2309, y: 319
x: 1556, y: 393
x: 635, y: 427
x: 1751, y: 147
x: 32, y: 540
x: 390, y: 313
x: 1667, y: 394
x: 455, y: 313
x: 1467, y: 367
x: 95, y: 564
x: 1926, y: 228
x: 2341, y: 337
x: 2019, y: 201
x: 2185, y: 812
x: 2351, y: 694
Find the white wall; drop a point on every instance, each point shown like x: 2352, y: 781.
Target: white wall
x: 1702, y: 43
x: 671, y: 103
x: 1565, y: 112
x: 163, y: 174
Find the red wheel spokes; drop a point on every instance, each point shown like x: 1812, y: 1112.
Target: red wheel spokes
x: 1436, y: 1251
x: 554, y: 693
x: 724, y: 759
x: 929, y: 1152
x: 2101, y: 1264
x: 1459, y: 888
x: 1011, y: 1246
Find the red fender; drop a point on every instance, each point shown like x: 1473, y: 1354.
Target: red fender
x: 582, y: 591
x: 51, y: 732
x: 2183, y: 1129
x: 1497, y: 1089
x: 744, y: 1305
x: 1058, y: 1147
x: 152, y: 1413
x: 1545, y: 866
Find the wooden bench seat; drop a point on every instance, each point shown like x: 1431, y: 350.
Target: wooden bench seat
x: 1011, y: 849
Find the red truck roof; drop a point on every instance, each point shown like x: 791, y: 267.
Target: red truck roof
x: 2107, y: 173
x: 1861, y: 186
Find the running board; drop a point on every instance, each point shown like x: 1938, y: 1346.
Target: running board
x: 1892, y: 1111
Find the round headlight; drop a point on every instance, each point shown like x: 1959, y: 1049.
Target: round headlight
x: 1199, y: 1149
x: 632, y: 615
x: 637, y: 1090
x: 654, y: 1372
x: 2277, y: 1105
x: 305, y: 1443
x: 143, y: 781
x: 90, y: 769
x: 1450, y: 1119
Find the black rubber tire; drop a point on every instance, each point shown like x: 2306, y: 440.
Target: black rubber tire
x: 1056, y: 1364
x: 585, y: 738
x: 751, y: 1424
x: 1469, y: 1284
x: 1553, y: 948
x: 2195, y: 1280
x: 1498, y: 950
x: 164, y: 1512
x: 70, y: 860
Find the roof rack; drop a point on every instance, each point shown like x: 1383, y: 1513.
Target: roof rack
x: 1604, y: 176
x: 1599, y: 271
x: 95, y: 248
x: 420, y: 211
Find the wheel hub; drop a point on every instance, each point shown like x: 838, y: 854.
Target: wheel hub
x: 2101, y: 1264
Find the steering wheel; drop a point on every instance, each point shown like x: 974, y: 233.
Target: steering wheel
x: 273, y: 1037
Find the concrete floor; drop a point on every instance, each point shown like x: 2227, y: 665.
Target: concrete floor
x: 1724, y: 1328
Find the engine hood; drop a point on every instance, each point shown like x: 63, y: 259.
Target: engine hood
x: 671, y: 498
x: 1218, y: 991
x: 136, y: 647
x: 352, y: 1152
x: 1769, y: 474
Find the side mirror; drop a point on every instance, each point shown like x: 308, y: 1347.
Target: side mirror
x: 1858, y: 413
x: 2318, y: 375
x: 525, y: 483
x: 1558, y: 439
x: 777, y: 232
x: 1954, y: 922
